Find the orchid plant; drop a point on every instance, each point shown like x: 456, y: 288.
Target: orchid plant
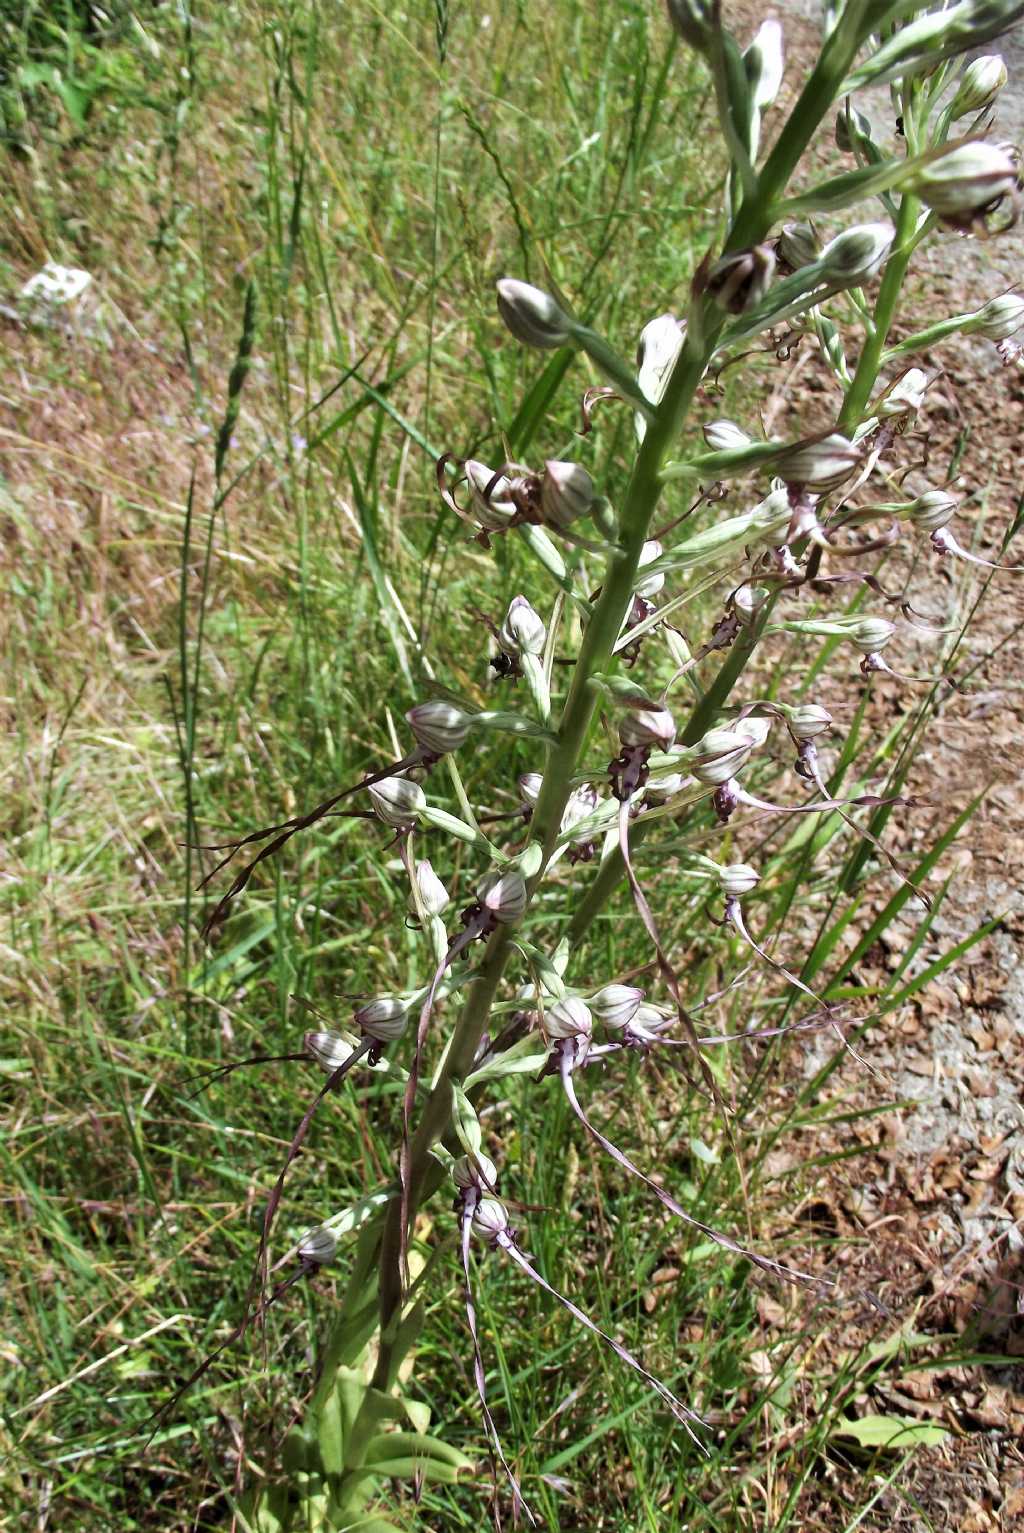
x: 518, y: 1005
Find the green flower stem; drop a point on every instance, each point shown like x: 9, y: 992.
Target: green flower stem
x: 870, y: 361
x: 923, y: 338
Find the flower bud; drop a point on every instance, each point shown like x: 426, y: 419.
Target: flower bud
x: 998, y: 319
x: 719, y: 755
x: 490, y: 1219
x: 532, y: 315
x: 754, y: 727
x: 906, y: 396
x: 503, y: 895
x: 433, y: 895
x: 616, y: 1005
x: 797, y: 246
x: 762, y: 63
x: 808, y: 720
x: 649, y: 1022
x: 739, y: 281
x: 318, y: 1246
x: 569, y: 1018
x: 933, y: 510
x: 965, y: 181
x: 566, y: 493
x: 857, y: 254
x: 738, y: 878
x: 653, y: 728
x: 848, y: 130
x: 580, y: 806
x: 529, y: 787
x: 660, y: 789
x: 725, y: 436
x: 384, y: 1019
x: 979, y: 86
x: 661, y: 341
x: 397, y: 801
x: 820, y: 465
x: 871, y: 634
x: 523, y: 631
x: 651, y: 584
x: 439, y: 727
x: 474, y: 1171
x: 490, y: 493
x: 330, y: 1050
x: 747, y: 602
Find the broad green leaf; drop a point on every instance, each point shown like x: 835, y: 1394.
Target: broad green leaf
x: 894, y: 1432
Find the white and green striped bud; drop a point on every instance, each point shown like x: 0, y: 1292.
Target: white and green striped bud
x: 808, y: 720
x: 397, y: 801
x: 965, y: 181
x: 797, y: 246
x: 747, y: 602
x: 318, y: 1246
x: 569, y: 1018
x: 660, y: 789
x: 737, y: 879
x: 905, y: 397
x: 998, y: 319
x: 649, y: 728
x: 438, y: 726
x: 933, y: 510
x: 491, y: 496
x: 649, y: 585
x: 523, y: 631
x: 820, y: 465
x: 719, y: 754
x: 530, y: 784
x: 763, y: 65
x: 531, y: 315
x: 566, y: 493
x: 726, y: 436
x: 433, y: 896
x: 979, y: 86
x: 858, y: 254
x: 490, y: 1219
x: 330, y: 1050
x: 474, y: 1171
x: 616, y: 1005
x: 384, y: 1019
x: 661, y: 341
x: 850, y: 129
x: 580, y: 805
x: 871, y: 634
x: 503, y: 895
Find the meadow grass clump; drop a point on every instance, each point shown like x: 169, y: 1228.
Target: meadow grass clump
x: 554, y: 770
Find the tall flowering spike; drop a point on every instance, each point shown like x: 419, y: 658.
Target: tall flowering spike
x: 532, y: 315
x: 965, y: 182
x: 523, y: 631
x: 318, y: 1246
x: 738, y: 878
x: 434, y: 897
x: 439, y: 727
x: 384, y: 1019
x: 653, y: 728
x: 739, y: 281
x: 979, y: 86
x: 566, y: 493
x: 491, y: 494
x: 820, y: 465
x: 933, y: 510
x: 503, y: 895
x: 858, y: 254
x: 998, y: 319
x: 397, y: 801
x: 616, y: 1005
x: 569, y: 1018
